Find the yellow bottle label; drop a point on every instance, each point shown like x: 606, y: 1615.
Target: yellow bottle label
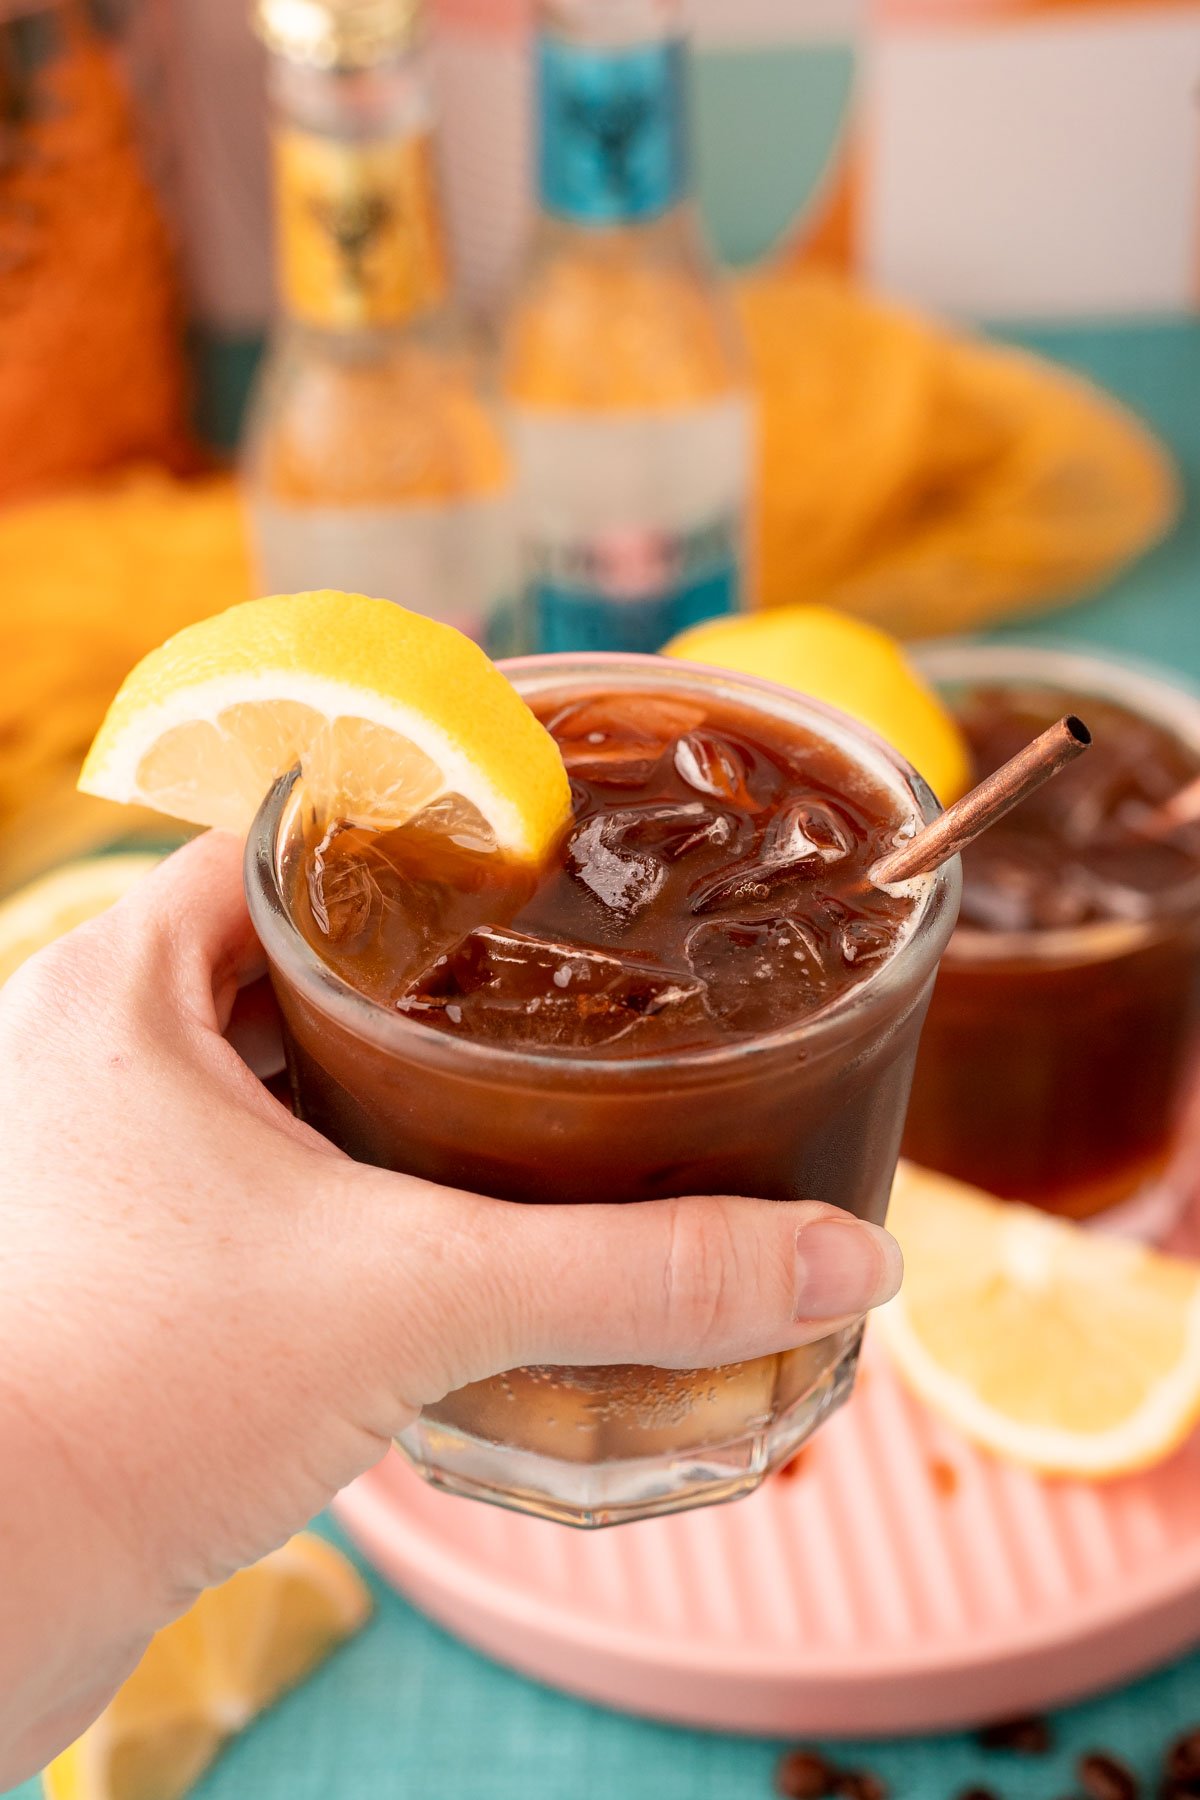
x: 360, y: 235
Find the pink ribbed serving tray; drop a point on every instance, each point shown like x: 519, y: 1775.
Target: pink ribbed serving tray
x: 897, y: 1582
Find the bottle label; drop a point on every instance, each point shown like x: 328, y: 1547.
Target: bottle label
x: 632, y: 590
x: 632, y: 523
x: 613, y: 131
x: 360, y: 235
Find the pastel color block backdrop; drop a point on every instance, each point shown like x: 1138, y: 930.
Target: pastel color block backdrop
x: 998, y: 158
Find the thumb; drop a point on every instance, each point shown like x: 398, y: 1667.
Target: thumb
x: 464, y: 1287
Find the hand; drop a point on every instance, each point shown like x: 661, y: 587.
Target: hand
x: 211, y: 1319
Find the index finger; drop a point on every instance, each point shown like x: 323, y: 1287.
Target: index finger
x: 195, y: 903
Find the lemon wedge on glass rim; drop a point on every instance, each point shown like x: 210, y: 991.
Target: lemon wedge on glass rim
x: 387, y: 712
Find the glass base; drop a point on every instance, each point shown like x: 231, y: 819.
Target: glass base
x: 619, y: 1490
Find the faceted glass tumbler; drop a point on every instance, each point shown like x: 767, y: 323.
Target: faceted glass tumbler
x: 811, y: 1111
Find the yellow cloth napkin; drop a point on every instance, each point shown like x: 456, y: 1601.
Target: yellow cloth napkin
x: 916, y: 476
x: 928, y: 480
x: 89, y: 581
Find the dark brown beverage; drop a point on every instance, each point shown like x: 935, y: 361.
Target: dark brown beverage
x: 712, y: 886
x: 702, y: 994
x: 1064, y: 1022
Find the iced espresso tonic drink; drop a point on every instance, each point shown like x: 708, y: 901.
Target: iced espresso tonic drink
x: 703, y: 993
x: 1056, y: 1058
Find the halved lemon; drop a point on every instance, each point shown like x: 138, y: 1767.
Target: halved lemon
x: 387, y: 712
x: 847, y: 664
x: 1053, y: 1345
x: 35, y: 915
x: 207, y: 1675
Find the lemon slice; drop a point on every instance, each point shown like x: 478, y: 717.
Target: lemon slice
x: 208, y: 1674
x: 847, y: 664
x: 43, y: 911
x: 1055, y: 1346
x: 387, y: 712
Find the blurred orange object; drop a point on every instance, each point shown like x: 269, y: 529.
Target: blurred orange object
x: 91, y: 345
x: 90, y: 581
x: 927, y: 480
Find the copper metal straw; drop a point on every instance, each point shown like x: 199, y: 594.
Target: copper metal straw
x: 963, y: 822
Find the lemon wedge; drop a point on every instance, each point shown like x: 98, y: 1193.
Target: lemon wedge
x: 37, y: 914
x: 847, y: 664
x: 1057, y: 1347
x: 387, y: 712
x: 208, y: 1674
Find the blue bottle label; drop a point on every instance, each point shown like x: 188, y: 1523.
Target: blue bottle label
x: 633, y: 591
x: 613, y: 131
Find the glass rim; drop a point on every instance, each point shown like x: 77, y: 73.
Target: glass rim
x: 914, y: 958
x: 1143, y: 688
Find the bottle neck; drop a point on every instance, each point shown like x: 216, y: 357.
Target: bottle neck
x: 359, y: 237
x: 612, y: 125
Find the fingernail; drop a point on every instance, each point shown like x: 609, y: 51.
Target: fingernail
x: 844, y: 1266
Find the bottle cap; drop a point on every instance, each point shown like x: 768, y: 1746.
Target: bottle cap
x: 337, y: 34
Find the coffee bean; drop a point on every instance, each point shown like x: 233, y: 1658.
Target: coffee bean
x: 1182, y: 1761
x: 860, y: 1784
x: 794, y: 1466
x: 1029, y: 1735
x: 804, y: 1775
x: 944, y: 1477
x: 1104, y: 1777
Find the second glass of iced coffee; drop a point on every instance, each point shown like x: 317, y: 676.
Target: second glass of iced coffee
x: 704, y: 994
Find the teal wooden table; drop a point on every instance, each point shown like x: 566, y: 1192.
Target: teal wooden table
x: 406, y: 1713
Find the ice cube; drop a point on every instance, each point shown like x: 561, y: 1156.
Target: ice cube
x: 806, y: 829
x: 621, y: 878
x: 711, y: 765
x: 865, y: 941
x: 617, y: 765
x: 671, y: 828
x: 800, y: 843
x: 753, y: 882
x: 453, y: 817
x: 648, y: 718
x: 621, y: 856
x: 342, y: 892
x: 524, y: 989
x: 758, y: 974
x: 617, y: 740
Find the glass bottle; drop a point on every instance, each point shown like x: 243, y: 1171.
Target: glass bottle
x: 621, y: 362
x: 373, y: 461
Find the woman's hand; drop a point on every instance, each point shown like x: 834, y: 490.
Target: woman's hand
x: 210, y: 1319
